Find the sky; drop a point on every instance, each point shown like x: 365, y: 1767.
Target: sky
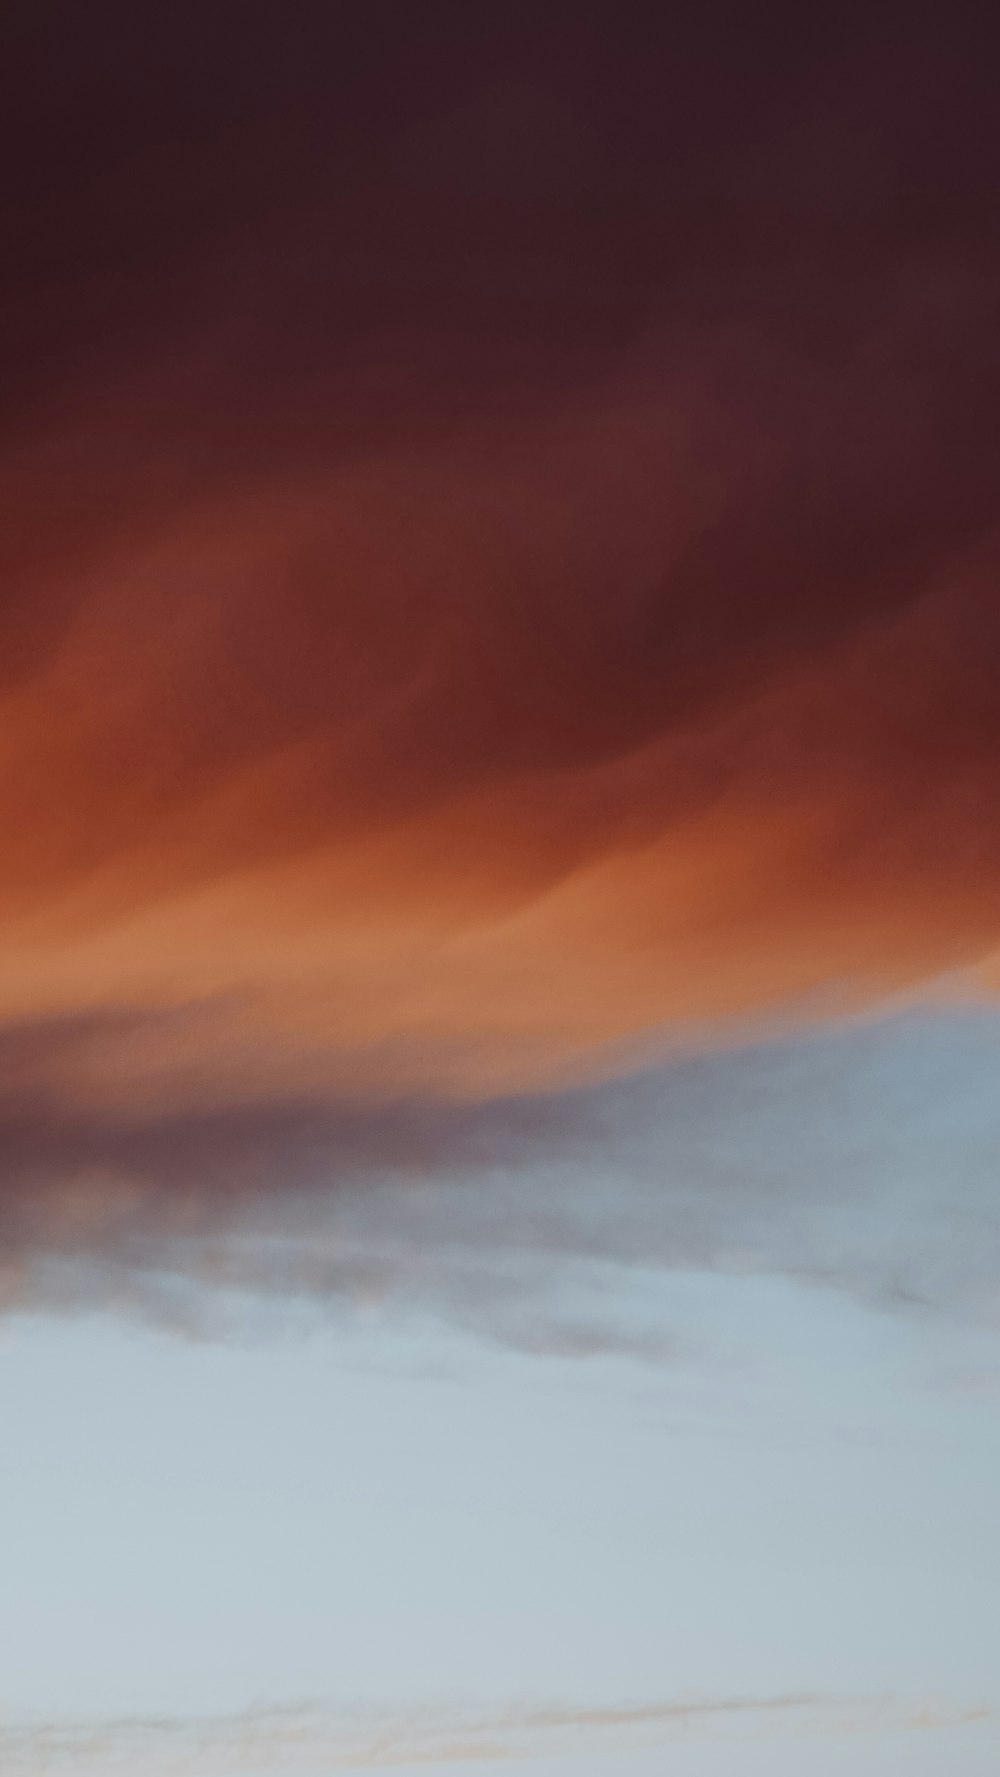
x: 499, y: 942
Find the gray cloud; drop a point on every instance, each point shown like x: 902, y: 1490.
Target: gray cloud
x: 863, y: 1158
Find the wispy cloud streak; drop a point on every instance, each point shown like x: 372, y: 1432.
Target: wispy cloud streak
x: 314, y: 1737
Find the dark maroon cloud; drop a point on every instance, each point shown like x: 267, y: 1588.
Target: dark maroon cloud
x: 499, y: 565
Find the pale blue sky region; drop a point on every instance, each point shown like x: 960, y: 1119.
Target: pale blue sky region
x: 795, y: 1500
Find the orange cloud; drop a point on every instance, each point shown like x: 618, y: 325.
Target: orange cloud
x: 472, y: 609
x: 420, y: 774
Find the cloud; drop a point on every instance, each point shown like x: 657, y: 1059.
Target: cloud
x: 860, y: 1159
x: 313, y: 1737
x: 434, y: 705
x: 422, y: 778
x: 499, y: 589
